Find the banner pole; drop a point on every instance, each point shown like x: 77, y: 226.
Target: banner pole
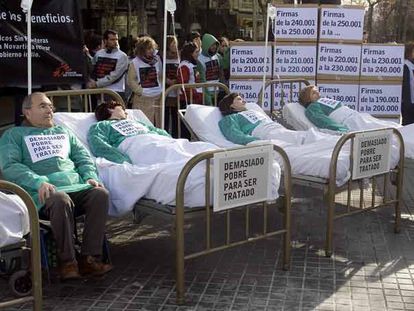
x: 29, y: 51
x: 164, y: 65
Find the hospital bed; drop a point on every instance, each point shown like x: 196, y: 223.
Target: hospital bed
x: 34, y: 279
x: 179, y: 212
x: 294, y: 116
x: 327, y: 169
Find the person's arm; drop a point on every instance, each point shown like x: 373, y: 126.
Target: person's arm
x: 12, y: 168
x: 132, y: 80
x: 202, y: 71
x: 232, y: 131
x: 316, y: 115
x: 100, y: 147
x: 82, y: 159
x: 157, y: 130
x: 113, y: 76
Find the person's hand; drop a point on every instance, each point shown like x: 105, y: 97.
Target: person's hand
x: 45, y: 191
x: 86, y: 50
x: 94, y: 183
x: 91, y: 84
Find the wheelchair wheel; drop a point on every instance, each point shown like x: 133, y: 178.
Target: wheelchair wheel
x: 20, y: 283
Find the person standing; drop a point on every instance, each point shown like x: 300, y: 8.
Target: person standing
x: 171, y: 64
x: 209, y: 63
x: 144, y: 79
x: 109, y: 65
x: 407, y: 105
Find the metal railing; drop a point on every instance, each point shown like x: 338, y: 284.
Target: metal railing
x: 35, y: 265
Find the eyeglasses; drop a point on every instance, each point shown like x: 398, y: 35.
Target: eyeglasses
x: 45, y: 106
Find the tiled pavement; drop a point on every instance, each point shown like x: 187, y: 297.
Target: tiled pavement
x: 371, y: 269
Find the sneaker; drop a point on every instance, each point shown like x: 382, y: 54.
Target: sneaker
x: 88, y: 265
x: 69, y: 271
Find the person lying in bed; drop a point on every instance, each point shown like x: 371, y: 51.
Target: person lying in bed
x: 242, y: 126
x: 327, y: 113
x: 120, y: 140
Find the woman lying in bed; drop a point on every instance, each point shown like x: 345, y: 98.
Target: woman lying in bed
x: 326, y: 113
x: 242, y: 126
x: 120, y: 140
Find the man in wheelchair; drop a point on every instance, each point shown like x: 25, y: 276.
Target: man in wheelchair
x: 50, y: 163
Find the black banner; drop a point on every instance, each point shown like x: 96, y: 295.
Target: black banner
x: 57, y: 56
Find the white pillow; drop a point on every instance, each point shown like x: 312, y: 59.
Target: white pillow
x: 294, y: 115
x: 80, y: 122
x: 204, y: 120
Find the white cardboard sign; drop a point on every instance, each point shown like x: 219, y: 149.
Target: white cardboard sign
x: 380, y: 99
x: 249, y: 90
x: 339, y: 59
x: 372, y: 153
x: 129, y: 128
x: 287, y: 93
x: 382, y: 61
x: 342, y: 23
x: 347, y: 94
x: 295, y: 60
x: 42, y: 147
x: 248, y: 60
x: 242, y: 176
x: 296, y: 23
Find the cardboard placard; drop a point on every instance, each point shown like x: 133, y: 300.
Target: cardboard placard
x: 294, y: 60
x: 346, y: 93
x: 380, y: 99
x: 287, y: 93
x: 247, y: 60
x: 382, y: 61
x: 342, y: 23
x: 296, y: 24
x: 249, y: 90
x: 371, y: 153
x: 242, y: 176
x: 339, y: 59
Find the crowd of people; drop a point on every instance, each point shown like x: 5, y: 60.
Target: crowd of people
x: 135, y: 72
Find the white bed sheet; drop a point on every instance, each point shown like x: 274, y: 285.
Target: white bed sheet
x: 14, y: 219
x: 294, y: 114
x: 310, y: 159
x: 151, y: 179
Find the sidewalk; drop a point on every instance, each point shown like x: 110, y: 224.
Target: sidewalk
x: 371, y: 268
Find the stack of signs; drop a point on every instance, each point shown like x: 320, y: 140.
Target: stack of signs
x: 381, y: 77
x: 339, y: 53
x: 247, y: 69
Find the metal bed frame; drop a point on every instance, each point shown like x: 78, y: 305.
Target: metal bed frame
x: 180, y: 213
x: 35, y: 265
x: 328, y: 186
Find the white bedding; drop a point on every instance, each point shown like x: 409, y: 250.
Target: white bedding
x: 14, y: 219
x: 158, y: 163
x: 310, y: 159
x: 294, y: 114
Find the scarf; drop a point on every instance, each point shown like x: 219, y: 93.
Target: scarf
x: 410, y: 66
x: 150, y: 61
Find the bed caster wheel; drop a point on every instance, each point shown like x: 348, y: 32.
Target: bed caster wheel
x: 286, y: 267
x: 328, y: 254
x: 20, y: 283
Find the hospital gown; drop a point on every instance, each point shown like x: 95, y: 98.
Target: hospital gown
x: 251, y: 125
x: 139, y: 144
x: 30, y: 156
